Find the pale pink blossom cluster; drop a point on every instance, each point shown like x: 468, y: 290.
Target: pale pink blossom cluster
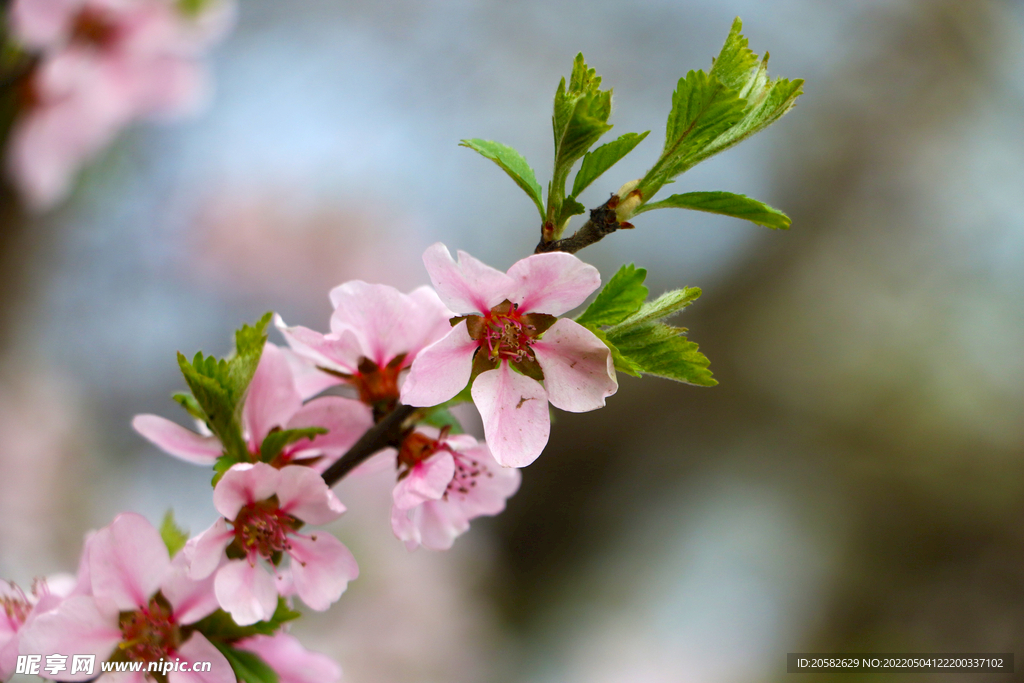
x: 98, y: 66
x: 479, y: 335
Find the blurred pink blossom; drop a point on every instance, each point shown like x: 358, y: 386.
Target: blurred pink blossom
x: 292, y: 662
x: 101, y: 65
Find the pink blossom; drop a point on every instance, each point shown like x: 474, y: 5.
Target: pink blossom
x: 18, y: 609
x: 511, y: 337
x: 445, y: 481
x: 103, y: 63
x: 376, y: 333
x: 137, y: 603
x: 265, y: 507
x: 292, y: 662
x: 274, y: 402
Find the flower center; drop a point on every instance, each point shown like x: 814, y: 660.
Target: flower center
x: 467, y: 471
x: 149, y: 634
x: 378, y: 386
x: 507, y: 334
x: 16, y: 605
x: 417, y: 447
x: 261, y: 529
x: 93, y: 27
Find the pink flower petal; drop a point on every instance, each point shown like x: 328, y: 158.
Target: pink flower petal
x: 82, y: 625
x: 552, y: 283
x: 178, y: 441
x: 190, y: 600
x: 272, y: 398
x: 242, y: 485
x: 206, y: 550
x: 43, y: 23
x: 303, y: 494
x: 578, y: 369
x: 467, y: 286
x: 441, y: 370
x: 428, y: 480
x: 494, y: 485
x: 292, y: 662
x: 386, y: 321
x: 245, y: 591
x: 433, y: 320
x: 435, y: 525
x: 199, y: 649
x: 514, y: 409
x: 127, y: 561
x: 345, y: 419
x: 321, y: 568
x: 340, y: 353
x: 309, y: 381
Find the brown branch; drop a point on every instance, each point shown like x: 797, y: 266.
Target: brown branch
x: 602, y: 223
x: 385, y: 433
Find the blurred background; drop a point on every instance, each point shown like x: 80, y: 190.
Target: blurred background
x: 856, y: 481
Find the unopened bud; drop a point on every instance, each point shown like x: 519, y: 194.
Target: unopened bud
x: 629, y: 199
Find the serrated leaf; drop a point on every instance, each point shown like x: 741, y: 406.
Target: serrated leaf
x: 666, y: 305
x: 733, y: 64
x: 442, y: 418
x: 702, y: 109
x: 277, y: 439
x: 174, y: 537
x: 580, y: 118
x: 664, y: 351
x: 595, y: 163
x: 248, y: 666
x: 513, y: 163
x: 219, y: 386
x: 620, y: 298
x: 712, y: 112
x: 726, y: 204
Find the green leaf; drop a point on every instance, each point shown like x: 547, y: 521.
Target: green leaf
x: 248, y: 666
x: 620, y: 298
x: 580, y: 118
x: 277, y: 439
x: 570, y: 208
x: 174, y: 536
x: 712, y: 112
x: 189, y: 403
x: 727, y: 204
x: 664, y: 306
x: 622, y: 364
x: 220, y: 626
x: 702, y: 109
x: 513, y: 163
x: 442, y: 418
x: 604, y: 157
x: 219, y: 386
x: 664, y: 351
x: 733, y: 64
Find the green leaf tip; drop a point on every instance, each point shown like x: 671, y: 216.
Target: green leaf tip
x: 579, y: 119
x: 595, y: 163
x: 726, y: 204
x: 219, y: 386
x: 277, y: 439
x: 174, y: 537
x: 713, y: 111
x: 623, y: 296
x: 513, y: 163
x: 248, y: 666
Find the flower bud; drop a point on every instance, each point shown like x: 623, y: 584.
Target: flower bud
x: 629, y: 199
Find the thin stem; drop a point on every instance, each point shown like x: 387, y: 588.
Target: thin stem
x: 602, y: 223
x: 383, y: 434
